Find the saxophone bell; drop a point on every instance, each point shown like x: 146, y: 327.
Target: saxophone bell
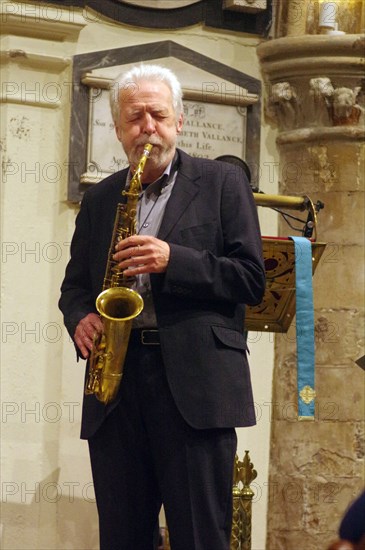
x: 118, y: 306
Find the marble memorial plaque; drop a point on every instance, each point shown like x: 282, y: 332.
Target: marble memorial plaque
x: 211, y: 130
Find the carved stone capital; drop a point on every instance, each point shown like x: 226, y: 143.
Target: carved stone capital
x: 314, y: 82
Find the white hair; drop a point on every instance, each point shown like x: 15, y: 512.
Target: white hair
x: 145, y: 72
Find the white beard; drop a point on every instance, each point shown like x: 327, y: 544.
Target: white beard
x: 160, y: 155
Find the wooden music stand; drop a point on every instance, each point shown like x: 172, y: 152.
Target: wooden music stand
x: 277, y: 309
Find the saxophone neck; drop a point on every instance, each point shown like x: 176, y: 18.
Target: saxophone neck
x: 142, y: 162
x: 135, y: 186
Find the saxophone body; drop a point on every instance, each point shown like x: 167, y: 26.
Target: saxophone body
x: 117, y: 304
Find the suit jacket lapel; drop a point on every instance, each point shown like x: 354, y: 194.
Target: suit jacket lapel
x: 185, y: 188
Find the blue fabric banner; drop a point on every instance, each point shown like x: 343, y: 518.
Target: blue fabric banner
x: 304, y: 328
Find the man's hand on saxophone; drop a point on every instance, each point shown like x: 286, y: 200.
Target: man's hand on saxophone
x: 142, y: 254
x: 88, y: 327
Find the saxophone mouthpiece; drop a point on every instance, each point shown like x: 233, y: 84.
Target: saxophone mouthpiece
x: 147, y: 149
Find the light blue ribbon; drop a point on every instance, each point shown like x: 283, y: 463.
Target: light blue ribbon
x: 304, y: 327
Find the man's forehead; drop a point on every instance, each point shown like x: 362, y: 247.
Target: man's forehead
x: 142, y: 102
x: 139, y: 92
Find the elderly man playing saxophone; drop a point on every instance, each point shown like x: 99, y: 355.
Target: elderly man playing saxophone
x: 169, y: 435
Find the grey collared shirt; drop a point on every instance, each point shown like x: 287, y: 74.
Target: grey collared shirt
x: 151, y: 208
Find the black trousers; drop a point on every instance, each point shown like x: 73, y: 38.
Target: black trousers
x: 145, y: 454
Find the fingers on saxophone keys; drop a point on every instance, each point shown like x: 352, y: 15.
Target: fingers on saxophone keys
x: 124, y: 255
x: 82, y: 346
x: 83, y: 342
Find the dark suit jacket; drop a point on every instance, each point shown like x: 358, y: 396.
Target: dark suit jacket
x: 215, y: 267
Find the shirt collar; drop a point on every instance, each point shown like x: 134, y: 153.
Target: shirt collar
x: 156, y: 187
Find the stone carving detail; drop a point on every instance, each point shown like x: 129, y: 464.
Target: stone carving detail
x: 333, y: 106
x: 283, y: 105
x: 320, y: 94
x: 345, y: 109
x: 322, y: 105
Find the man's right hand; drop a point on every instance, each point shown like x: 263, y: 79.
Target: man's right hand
x: 85, y: 331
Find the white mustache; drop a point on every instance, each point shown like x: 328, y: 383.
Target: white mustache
x: 152, y: 141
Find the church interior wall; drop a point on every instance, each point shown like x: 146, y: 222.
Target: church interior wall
x: 47, y: 495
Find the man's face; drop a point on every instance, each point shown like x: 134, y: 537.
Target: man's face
x: 147, y: 116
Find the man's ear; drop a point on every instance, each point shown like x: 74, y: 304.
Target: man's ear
x: 179, y: 123
x: 118, y: 131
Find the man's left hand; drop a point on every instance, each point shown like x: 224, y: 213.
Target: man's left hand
x: 142, y: 254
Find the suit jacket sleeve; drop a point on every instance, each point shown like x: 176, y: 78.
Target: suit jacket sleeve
x: 76, y: 291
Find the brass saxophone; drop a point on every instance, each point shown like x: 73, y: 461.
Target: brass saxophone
x: 117, y: 304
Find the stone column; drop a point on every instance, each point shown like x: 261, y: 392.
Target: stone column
x: 315, y: 100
